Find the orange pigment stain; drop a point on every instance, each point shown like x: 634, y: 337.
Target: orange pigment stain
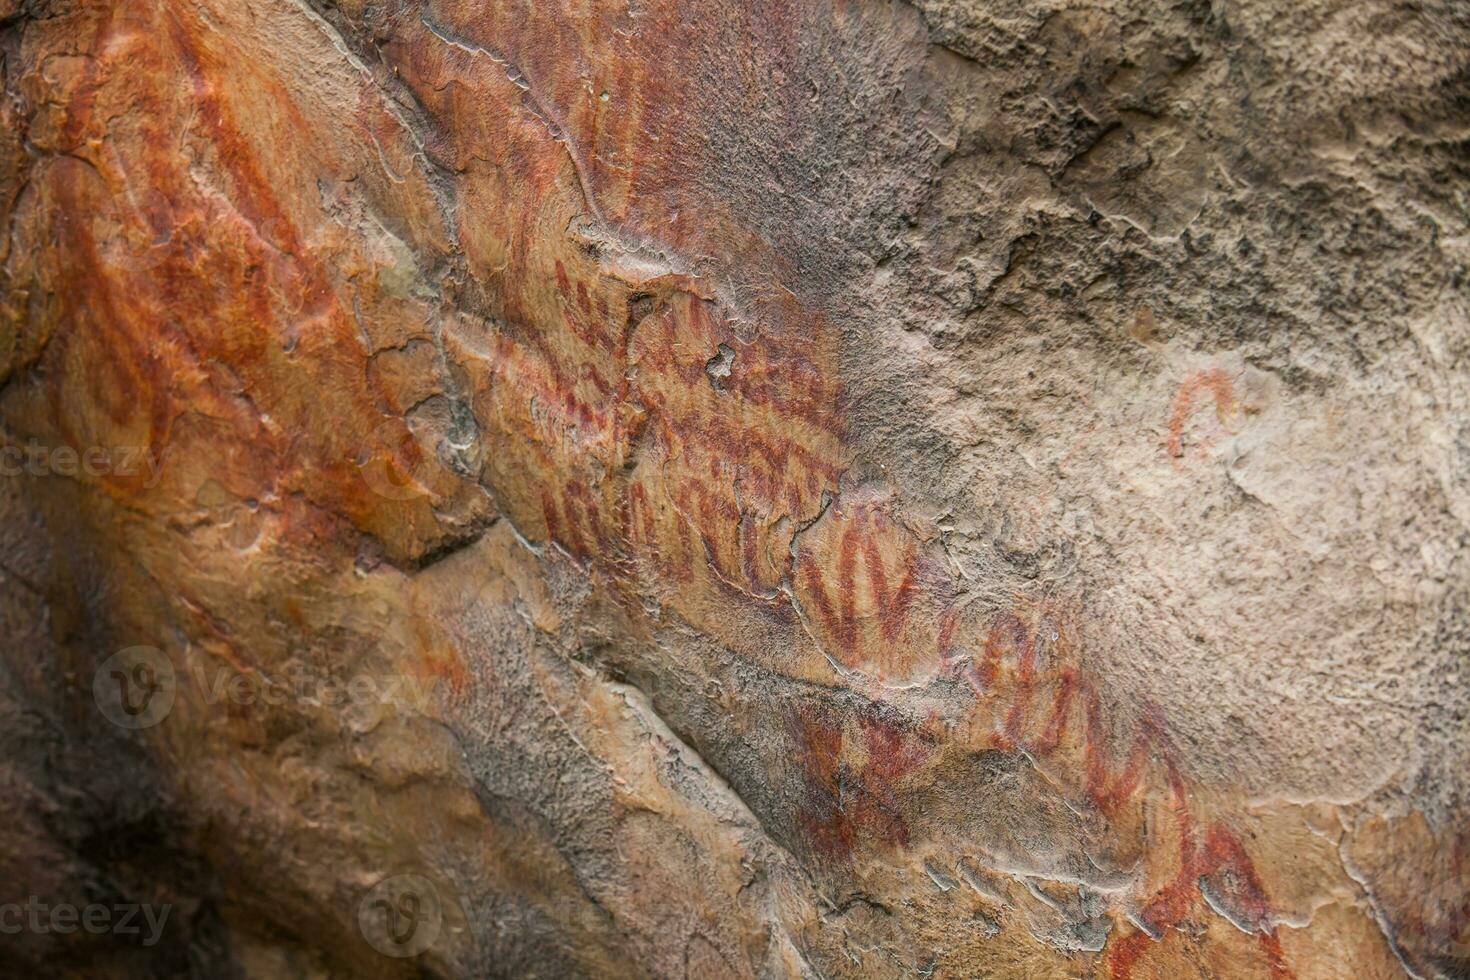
x: 849, y: 781
x: 1218, y: 851
x: 1216, y: 382
x: 865, y: 612
x: 861, y: 589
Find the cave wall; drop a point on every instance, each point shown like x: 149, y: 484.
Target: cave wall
x: 777, y: 488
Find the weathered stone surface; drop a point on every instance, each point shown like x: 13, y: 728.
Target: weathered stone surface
x: 820, y: 488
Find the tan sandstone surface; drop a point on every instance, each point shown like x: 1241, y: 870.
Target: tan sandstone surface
x: 737, y: 488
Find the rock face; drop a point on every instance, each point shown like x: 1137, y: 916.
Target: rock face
x: 735, y: 488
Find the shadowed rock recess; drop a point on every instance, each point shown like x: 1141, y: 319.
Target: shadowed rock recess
x: 735, y: 488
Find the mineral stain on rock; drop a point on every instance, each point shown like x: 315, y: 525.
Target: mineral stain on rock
x: 776, y: 489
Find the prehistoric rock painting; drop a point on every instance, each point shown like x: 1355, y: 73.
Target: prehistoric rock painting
x: 692, y: 489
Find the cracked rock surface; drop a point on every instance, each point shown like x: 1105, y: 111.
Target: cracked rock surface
x: 736, y: 488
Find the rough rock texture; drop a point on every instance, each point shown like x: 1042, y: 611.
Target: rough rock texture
x: 737, y: 488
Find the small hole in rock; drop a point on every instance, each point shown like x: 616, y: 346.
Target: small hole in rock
x: 718, y: 367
